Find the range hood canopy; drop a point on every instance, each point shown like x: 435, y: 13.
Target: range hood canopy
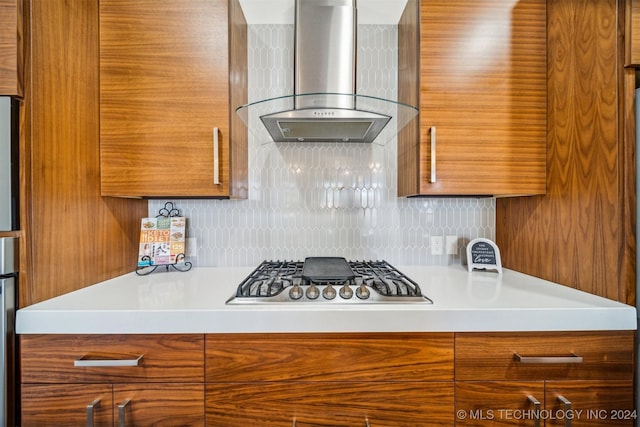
x: 324, y: 106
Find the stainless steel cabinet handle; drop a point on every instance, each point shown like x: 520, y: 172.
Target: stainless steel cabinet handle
x: 433, y: 154
x: 122, y: 412
x: 92, y: 363
x: 366, y: 422
x: 548, y: 359
x: 567, y: 409
x: 536, y: 410
x: 90, y: 412
x: 216, y: 156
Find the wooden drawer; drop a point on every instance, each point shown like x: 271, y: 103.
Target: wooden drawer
x: 165, y: 358
x: 491, y: 356
x: 329, y: 357
x: 316, y: 404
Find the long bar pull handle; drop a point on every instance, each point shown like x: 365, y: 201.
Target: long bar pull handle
x: 536, y: 410
x: 91, y: 412
x: 216, y: 156
x: 122, y: 409
x: 548, y: 359
x: 433, y: 154
x: 366, y: 422
x: 567, y: 410
x: 85, y: 362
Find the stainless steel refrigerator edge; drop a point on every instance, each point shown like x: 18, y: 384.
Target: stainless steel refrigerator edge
x: 8, y: 282
x: 637, y: 391
x: 8, y: 164
x: 9, y: 203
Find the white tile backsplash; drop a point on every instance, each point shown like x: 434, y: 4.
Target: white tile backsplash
x: 326, y: 199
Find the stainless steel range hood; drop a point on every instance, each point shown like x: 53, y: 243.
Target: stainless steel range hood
x: 325, y: 106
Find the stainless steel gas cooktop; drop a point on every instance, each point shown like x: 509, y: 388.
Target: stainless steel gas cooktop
x: 327, y: 280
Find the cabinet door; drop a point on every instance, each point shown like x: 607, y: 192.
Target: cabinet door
x: 11, y: 47
x: 485, y: 403
x: 592, y: 403
x: 159, y: 404
x: 164, y: 99
x: 482, y: 99
x: 343, y: 404
x: 59, y: 405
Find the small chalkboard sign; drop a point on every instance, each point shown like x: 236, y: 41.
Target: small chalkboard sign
x: 483, y: 254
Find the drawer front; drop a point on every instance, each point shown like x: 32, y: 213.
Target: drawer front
x: 152, y: 358
x: 533, y: 356
x: 329, y: 357
x: 284, y: 404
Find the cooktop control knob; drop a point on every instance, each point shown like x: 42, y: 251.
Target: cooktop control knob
x: 296, y: 292
x: 328, y: 292
x: 346, y: 292
x: 313, y: 292
x: 362, y: 292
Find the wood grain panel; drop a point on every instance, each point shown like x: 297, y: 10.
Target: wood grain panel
x: 164, y: 86
x: 576, y: 234
x: 490, y: 356
x: 75, y: 238
x: 238, y: 95
x: 409, y: 166
x: 598, y: 403
x: 489, y: 403
x: 65, y: 405
x: 164, y: 405
x: 482, y: 85
x: 11, y: 47
x: 329, y: 357
x: 50, y: 358
x: 330, y: 404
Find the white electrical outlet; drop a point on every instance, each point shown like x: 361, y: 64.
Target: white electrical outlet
x: 191, y: 247
x: 451, y: 244
x: 436, y: 245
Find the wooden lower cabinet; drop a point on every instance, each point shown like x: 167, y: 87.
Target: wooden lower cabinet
x: 545, y: 379
x: 509, y: 403
x: 113, y: 404
x: 337, y: 380
x: 329, y: 379
x: 335, y: 404
x: 138, y: 380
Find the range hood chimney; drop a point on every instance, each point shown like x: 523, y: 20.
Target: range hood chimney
x: 325, y: 70
x: 325, y: 105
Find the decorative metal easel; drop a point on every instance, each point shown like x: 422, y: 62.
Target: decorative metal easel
x: 168, y: 211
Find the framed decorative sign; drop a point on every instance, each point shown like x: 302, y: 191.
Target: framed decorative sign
x: 483, y: 254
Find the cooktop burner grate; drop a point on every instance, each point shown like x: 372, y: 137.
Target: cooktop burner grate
x: 327, y: 279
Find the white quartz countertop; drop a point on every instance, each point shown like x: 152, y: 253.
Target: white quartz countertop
x: 194, y: 302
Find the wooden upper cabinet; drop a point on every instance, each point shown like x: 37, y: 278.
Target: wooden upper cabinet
x: 632, y: 33
x: 481, y: 68
x: 11, y: 37
x: 169, y: 74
